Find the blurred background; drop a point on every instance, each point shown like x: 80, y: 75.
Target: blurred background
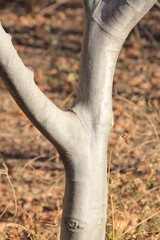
x: 48, y: 37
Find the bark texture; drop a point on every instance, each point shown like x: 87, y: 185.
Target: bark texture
x: 80, y: 134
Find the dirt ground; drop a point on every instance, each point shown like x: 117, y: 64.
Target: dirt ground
x: 48, y: 37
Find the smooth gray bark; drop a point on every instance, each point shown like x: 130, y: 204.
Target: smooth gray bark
x: 80, y: 134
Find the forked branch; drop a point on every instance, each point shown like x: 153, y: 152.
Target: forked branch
x: 107, y: 24
x: 49, y: 119
x: 83, y: 132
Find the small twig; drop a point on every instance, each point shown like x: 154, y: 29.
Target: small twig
x: 137, y: 33
x: 55, y: 220
x: 24, y: 211
x: 32, y: 161
x: 67, y: 99
x: 141, y: 145
x: 29, y: 164
x: 112, y: 209
x: 15, y: 225
x: 4, y: 211
x: 109, y: 167
x: 110, y: 158
x: 143, y: 113
x: 50, y: 9
x: 39, y: 175
x: 51, y: 235
x: 59, y: 214
x: 11, y: 185
x: 151, y: 38
x: 145, y: 220
x: 147, y: 192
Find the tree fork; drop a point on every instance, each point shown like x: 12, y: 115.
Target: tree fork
x: 80, y: 134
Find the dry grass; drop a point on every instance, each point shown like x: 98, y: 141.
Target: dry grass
x: 32, y: 176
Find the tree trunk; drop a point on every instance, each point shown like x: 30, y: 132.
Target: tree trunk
x: 85, y: 200
x: 80, y: 134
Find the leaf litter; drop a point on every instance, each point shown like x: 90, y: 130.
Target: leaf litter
x: 48, y: 37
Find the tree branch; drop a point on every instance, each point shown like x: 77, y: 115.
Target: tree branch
x: 118, y: 17
x: 108, y: 23
x: 49, y: 119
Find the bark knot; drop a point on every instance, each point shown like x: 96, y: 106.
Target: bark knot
x: 72, y: 224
